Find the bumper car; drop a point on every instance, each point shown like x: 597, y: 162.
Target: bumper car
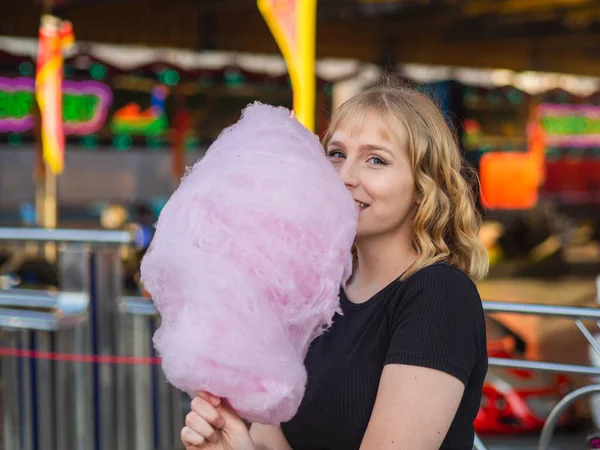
x: 516, y: 400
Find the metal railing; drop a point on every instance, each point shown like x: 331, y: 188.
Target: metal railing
x: 74, y: 404
x: 577, y: 314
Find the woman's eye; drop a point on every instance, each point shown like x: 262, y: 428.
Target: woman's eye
x: 377, y: 161
x: 335, y: 154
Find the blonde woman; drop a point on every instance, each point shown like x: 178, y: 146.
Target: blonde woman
x: 404, y: 365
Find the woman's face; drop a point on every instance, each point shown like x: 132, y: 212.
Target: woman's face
x: 378, y: 175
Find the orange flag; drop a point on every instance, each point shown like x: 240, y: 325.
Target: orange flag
x: 293, y: 24
x: 54, y: 37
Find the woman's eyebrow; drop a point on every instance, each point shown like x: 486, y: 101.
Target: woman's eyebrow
x: 337, y: 144
x: 371, y: 148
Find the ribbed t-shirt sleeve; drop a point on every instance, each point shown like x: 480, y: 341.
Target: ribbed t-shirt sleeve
x: 439, y: 323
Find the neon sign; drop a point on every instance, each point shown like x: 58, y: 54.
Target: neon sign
x: 570, y: 125
x: 16, y: 103
x: 85, y: 105
x: 131, y: 120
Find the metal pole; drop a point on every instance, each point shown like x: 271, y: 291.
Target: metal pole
x: 123, y: 386
x: 559, y: 409
x: 90, y: 237
x: 44, y: 380
x: 25, y: 394
x: 11, y: 387
x: 107, y: 288
x: 546, y: 366
x: 478, y: 445
x: 142, y: 406
x: 571, y: 312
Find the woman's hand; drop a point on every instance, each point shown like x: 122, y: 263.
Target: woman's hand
x: 213, y: 425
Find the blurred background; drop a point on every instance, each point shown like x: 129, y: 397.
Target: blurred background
x: 148, y: 85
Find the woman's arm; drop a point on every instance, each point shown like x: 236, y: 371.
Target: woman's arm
x: 413, y: 409
x: 268, y: 437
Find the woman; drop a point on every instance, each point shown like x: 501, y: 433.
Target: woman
x: 404, y: 365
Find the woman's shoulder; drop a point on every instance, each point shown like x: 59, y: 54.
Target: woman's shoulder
x: 443, y: 283
x: 444, y: 274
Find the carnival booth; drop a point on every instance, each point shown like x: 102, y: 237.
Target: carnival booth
x: 137, y: 116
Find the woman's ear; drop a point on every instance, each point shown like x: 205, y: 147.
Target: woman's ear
x: 418, y: 198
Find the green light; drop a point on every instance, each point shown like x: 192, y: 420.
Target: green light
x: 26, y: 68
x: 234, y: 78
x: 90, y: 141
x: 98, y: 71
x: 15, y: 139
x: 515, y: 97
x: 169, y: 77
x: 328, y: 89
x: 289, y: 83
x: 79, y: 108
x: 122, y: 142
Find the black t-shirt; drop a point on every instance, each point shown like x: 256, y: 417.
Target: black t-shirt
x: 432, y: 319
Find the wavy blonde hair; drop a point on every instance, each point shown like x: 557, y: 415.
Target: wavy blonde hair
x: 446, y: 224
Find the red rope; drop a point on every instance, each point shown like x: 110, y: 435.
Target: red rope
x: 99, y: 359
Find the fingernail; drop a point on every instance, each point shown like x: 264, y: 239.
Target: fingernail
x: 215, y: 400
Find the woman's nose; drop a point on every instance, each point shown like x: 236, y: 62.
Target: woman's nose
x: 349, y: 174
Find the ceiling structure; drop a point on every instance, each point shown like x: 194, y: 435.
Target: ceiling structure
x: 546, y: 35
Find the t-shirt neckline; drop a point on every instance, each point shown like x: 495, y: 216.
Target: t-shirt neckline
x: 346, y: 304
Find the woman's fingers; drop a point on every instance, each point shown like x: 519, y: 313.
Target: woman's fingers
x: 212, y: 399
x: 201, y: 427
x: 208, y: 412
x: 190, y: 438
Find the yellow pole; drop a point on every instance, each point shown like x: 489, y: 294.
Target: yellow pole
x: 49, y: 198
x: 305, y: 93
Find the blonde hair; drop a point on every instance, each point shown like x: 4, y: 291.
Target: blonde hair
x: 446, y: 224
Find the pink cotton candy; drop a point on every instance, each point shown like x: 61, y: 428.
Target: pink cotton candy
x: 247, y: 262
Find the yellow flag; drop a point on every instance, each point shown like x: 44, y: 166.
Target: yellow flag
x: 293, y: 24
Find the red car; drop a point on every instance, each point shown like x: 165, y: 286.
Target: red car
x: 516, y: 400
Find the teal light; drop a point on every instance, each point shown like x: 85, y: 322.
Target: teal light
x: 98, y: 71
x: 169, y: 77
x: 122, y: 142
x: 26, y: 68
x: 234, y: 78
x: 154, y: 143
x: 515, y: 97
x: 89, y: 142
x: 15, y: 139
x: 328, y: 89
x: 68, y: 70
